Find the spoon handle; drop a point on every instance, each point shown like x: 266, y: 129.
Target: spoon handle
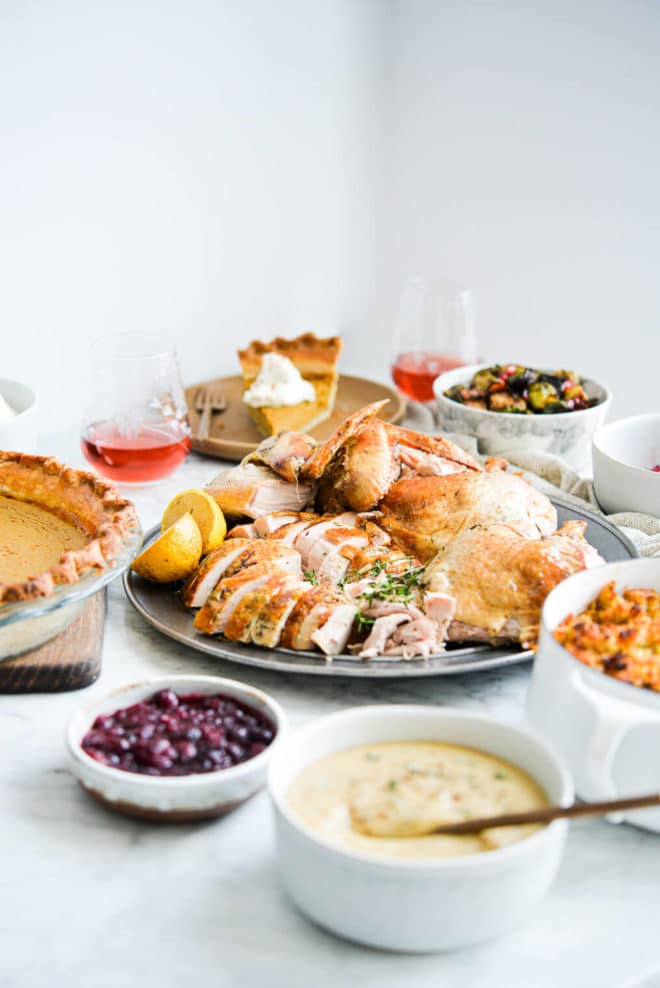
x: 549, y: 813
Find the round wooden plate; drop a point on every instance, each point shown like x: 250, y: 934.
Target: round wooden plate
x: 233, y: 434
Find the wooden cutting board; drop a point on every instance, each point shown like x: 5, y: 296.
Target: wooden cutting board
x: 233, y: 434
x: 69, y: 661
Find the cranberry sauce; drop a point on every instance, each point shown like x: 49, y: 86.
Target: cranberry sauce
x: 169, y: 734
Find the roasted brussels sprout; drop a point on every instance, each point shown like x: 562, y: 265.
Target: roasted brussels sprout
x: 483, y: 379
x: 502, y: 401
x: 516, y: 389
x: 522, y: 380
x: 541, y: 394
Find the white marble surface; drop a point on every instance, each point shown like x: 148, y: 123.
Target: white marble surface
x: 92, y: 899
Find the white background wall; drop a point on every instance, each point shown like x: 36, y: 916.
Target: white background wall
x: 224, y: 170
x: 527, y: 165
x: 204, y: 167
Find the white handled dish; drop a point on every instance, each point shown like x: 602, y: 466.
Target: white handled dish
x: 607, y: 731
x: 422, y: 904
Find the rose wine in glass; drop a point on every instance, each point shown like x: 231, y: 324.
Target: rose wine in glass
x: 135, y: 428
x: 434, y: 333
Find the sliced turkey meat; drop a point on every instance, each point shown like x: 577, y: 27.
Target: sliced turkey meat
x: 243, y: 532
x: 289, y: 533
x: 212, y: 618
x: 416, y: 638
x: 311, y: 611
x: 243, y: 617
x: 285, y: 453
x: 331, y: 542
x: 272, y: 618
x: 381, y: 631
x: 232, y: 557
x: 307, y: 539
x: 252, y: 490
x: 440, y: 608
x: 268, y: 524
x: 334, y: 633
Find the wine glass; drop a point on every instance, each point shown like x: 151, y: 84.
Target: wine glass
x: 434, y: 333
x: 135, y: 426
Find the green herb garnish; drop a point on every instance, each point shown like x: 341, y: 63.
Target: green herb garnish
x: 398, y: 587
x: 310, y: 575
x: 363, y: 621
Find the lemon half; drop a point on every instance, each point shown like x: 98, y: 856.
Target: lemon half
x: 173, y: 555
x: 206, y: 512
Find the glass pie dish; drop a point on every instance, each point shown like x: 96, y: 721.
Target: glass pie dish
x: 27, y: 624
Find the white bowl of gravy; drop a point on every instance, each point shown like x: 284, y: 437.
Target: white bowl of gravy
x: 345, y: 790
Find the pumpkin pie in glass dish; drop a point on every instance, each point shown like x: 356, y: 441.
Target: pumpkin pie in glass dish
x: 64, y: 534
x: 290, y: 385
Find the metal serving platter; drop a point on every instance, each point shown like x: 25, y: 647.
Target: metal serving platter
x: 162, y: 607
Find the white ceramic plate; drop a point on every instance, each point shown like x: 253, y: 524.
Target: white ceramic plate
x: 162, y: 608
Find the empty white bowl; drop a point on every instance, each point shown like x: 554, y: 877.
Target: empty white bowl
x: 566, y: 434
x: 623, y: 453
x: 178, y: 798
x: 607, y: 731
x: 418, y: 904
x: 20, y: 432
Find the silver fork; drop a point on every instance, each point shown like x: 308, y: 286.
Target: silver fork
x: 208, y: 400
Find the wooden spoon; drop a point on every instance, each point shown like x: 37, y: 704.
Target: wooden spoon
x: 547, y: 814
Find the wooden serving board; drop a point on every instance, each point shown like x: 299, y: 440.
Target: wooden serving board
x: 69, y: 661
x: 233, y: 434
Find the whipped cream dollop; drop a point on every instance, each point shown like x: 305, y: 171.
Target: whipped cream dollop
x: 6, y: 411
x: 278, y: 384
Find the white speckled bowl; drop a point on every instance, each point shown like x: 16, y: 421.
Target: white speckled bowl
x: 623, y: 453
x: 566, y: 434
x: 20, y: 432
x: 182, y: 798
x: 422, y: 904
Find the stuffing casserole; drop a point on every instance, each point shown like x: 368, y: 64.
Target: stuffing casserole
x: 618, y: 634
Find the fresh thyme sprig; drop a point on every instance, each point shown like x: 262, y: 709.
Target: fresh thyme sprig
x: 363, y: 622
x: 398, y: 587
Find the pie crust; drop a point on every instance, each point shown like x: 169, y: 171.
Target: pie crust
x: 316, y: 359
x: 82, y: 500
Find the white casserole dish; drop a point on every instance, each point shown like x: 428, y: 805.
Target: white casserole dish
x: 425, y: 904
x: 607, y: 731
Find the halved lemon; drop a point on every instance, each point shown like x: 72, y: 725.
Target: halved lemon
x: 173, y: 555
x: 206, y: 512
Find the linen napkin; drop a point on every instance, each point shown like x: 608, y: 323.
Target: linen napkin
x: 551, y: 475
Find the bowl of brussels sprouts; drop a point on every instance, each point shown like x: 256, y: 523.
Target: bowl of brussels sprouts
x: 511, y: 407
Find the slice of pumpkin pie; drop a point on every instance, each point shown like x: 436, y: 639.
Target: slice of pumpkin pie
x: 290, y: 384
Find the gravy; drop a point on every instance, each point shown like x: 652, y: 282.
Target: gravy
x: 383, y: 798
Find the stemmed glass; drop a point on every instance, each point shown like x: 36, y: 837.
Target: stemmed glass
x: 135, y: 427
x: 434, y: 333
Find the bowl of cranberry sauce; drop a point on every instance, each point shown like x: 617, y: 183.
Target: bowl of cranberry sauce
x: 185, y: 748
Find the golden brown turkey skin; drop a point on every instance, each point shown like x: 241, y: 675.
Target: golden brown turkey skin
x: 500, y: 580
x: 361, y: 473
x: 424, y: 514
x: 357, y: 465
